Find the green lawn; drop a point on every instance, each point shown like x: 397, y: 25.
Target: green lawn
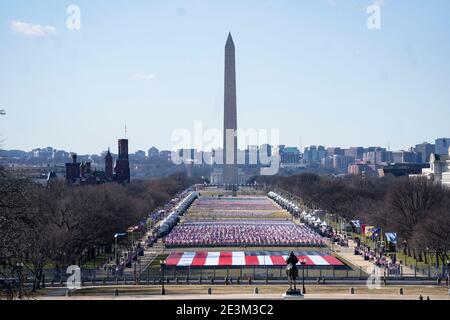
x: 95, y: 263
x: 420, y: 264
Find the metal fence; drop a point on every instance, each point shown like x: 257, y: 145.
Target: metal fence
x: 239, y: 275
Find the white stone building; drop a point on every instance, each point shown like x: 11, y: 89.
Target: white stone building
x: 439, y: 171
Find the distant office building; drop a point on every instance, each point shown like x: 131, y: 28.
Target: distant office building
x: 327, y: 162
x: 166, y: 155
x: 290, y: 155
x: 14, y: 154
x: 186, y: 154
x: 442, y: 146
x: 191, y: 156
x: 314, y: 154
x: 309, y: 154
x: 403, y: 169
x: 139, y: 155
x: 266, y: 149
x: 403, y: 157
x: 251, y: 155
x: 153, y: 153
x: 376, y: 156
x: 45, y: 154
x: 207, y: 157
x: 60, y: 156
x: 335, y: 151
x: 424, y: 151
x: 356, y: 153
x: 217, y: 156
x: 321, y: 153
x: 341, y: 162
x: 362, y: 169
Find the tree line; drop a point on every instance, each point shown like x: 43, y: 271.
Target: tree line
x: 56, y: 224
x: 418, y: 210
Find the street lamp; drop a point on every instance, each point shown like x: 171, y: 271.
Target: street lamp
x: 163, y: 264
x: 117, y: 235
x: 20, y: 266
x: 448, y: 273
x: 303, y: 263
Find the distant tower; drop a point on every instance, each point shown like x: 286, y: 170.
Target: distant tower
x: 109, y: 171
x: 122, y: 168
x: 230, y: 158
x: 123, y: 149
x: 73, y: 169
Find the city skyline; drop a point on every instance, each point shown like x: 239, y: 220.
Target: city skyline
x: 316, y: 73
x: 301, y: 148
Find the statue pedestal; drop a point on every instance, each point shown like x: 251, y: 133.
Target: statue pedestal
x: 293, y: 294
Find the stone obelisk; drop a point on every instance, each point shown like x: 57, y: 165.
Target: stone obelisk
x: 230, y: 154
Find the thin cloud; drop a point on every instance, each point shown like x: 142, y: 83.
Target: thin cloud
x: 143, y: 77
x: 31, y: 30
x: 380, y: 3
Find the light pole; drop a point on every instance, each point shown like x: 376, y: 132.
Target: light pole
x: 448, y: 274
x: 303, y: 263
x: 20, y: 266
x: 117, y: 235
x: 163, y: 290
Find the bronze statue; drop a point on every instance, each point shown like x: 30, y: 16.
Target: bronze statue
x: 292, y: 273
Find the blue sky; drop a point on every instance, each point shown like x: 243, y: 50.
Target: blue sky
x: 311, y: 69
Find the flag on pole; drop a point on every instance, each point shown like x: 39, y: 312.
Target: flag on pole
x: 391, y: 237
x: 363, y: 229
x: 119, y: 235
x: 375, y: 233
x: 369, y: 231
x: 356, y: 223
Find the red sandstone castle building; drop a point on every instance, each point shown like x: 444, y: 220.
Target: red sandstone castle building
x: 81, y: 172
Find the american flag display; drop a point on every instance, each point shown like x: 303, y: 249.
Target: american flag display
x: 249, y: 259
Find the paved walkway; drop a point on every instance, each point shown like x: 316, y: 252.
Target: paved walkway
x: 150, y: 254
x: 348, y: 254
x: 253, y: 297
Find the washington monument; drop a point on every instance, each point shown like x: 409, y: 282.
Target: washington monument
x: 230, y: 153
